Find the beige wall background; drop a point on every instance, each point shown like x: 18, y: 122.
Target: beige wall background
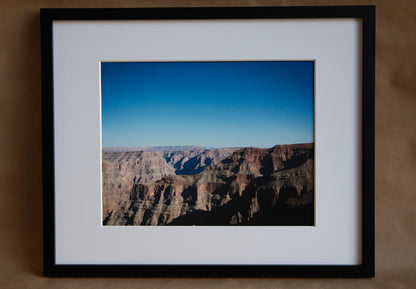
x: 21, y: 169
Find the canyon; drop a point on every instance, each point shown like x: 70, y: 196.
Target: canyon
x: 198, y: 186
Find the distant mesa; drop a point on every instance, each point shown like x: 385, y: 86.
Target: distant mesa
x: 154, y: 149
x: 171, y: 148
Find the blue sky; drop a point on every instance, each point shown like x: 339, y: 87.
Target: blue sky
x: 212, y: 104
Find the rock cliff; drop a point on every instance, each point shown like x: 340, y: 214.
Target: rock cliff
x: 121, y: 170
x: 248, y: 186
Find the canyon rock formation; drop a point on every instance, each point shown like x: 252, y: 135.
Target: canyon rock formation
x: 122, y: 169
x: 229, y: 186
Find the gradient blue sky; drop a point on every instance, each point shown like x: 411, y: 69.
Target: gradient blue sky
x: 212, y: 104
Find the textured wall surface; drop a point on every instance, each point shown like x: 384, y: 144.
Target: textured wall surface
x: 20, y: 151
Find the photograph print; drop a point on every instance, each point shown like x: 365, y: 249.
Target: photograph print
x: 217, y: 143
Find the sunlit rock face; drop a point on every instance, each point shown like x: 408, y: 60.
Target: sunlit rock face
x: 230, y: 186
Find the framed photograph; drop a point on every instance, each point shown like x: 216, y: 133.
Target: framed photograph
x: 225, y: 142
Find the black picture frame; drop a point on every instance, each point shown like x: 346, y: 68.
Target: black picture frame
x: 365, y: 13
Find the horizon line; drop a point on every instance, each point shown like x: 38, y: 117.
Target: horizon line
x: 127, y: 146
